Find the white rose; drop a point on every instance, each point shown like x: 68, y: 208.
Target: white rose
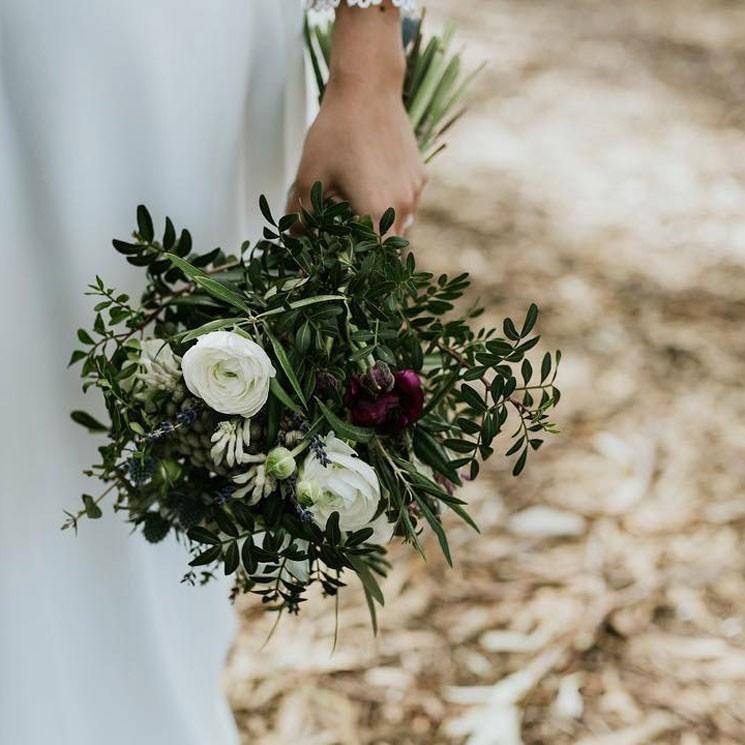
x: 158, y: 367
x: 230, y: 373
x: 347, y: 485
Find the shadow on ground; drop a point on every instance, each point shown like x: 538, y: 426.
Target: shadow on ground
x: 601, y: 173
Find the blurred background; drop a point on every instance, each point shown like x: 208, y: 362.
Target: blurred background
x: 600, y: 172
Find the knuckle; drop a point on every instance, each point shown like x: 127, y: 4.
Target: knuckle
x: 406, y: 204
x: 302, y: 187
x: 379, y: 206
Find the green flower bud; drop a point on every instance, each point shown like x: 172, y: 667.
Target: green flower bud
x: 280, y: 463
x: 308, y: 492
x: 168, y: 471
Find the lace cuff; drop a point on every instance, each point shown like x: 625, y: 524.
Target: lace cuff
x: 409, y: 7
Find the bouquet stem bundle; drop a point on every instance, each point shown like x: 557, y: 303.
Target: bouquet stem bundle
x: 435, y: 82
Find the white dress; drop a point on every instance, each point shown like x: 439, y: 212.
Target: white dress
x: 192, y: 107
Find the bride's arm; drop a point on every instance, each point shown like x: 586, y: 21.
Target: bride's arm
x: 361, y: 145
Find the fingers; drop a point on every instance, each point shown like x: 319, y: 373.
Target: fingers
x: 407, y: 206
x: 298, y: 195
x: 405, y: 210
x: 404, y: 198
x: 368, y: 201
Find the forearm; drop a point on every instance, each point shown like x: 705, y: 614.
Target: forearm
x: 367, y: 50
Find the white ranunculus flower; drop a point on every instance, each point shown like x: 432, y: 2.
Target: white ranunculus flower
x: 230, y: 373
x: 346, y: 485
x: 158, y: 367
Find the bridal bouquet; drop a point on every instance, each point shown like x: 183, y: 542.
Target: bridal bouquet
x: 291, y: 410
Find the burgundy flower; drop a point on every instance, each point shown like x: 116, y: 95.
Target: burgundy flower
x: 378, y: 379
x: 388, y: 412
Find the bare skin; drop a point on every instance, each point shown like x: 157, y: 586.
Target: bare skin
x: 361, y: 145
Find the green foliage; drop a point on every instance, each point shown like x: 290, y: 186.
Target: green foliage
x: 323, y: 302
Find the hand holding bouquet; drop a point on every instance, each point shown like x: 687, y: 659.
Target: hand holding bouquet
x: 292, y: 409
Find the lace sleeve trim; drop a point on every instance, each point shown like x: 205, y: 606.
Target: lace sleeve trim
x: 409, y: 7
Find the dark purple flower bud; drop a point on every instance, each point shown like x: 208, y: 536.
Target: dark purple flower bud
x: 327, y: 384
x: 378, y: 379
x: 388, y: 412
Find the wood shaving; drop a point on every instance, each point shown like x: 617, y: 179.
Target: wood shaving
x: 601, y: 170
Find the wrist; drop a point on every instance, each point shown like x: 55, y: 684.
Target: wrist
x: 367, y: 51
x: 360, y: 83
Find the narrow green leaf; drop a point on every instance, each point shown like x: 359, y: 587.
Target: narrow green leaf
x: 316, y: 196
x: 333, y: 533
x: 250, y: 562
x: 516, y: 446
x: 279, y: 392
x: 145, y: 223
x: 303, y: 337
x: 128, y: 249
x: 225, y: 523
x: 264, y: 207
x: 188, y: 269
x: 207, y: 557
x: 345, y: 429
x: 169, y: 236
x: 77, y: 355
x: 472, y: 397
x: 220, y: 323
x: 545, y: 366
x: 84, y: 337
x: 221, y: 292
x: 509, y: 329
x: 387, y: 220
x: 284, y: 363
x: 202, y: 535
x: 436, y: 526
x: 92, y: 510
x: 530, y: 319
x: 358, y: 537
x: 527, y: 371
x: 86, y: 420
x: 136, y: 428
x: 520, y: 464
x: 301, y: 304
x: 370, y: 600
x: 242, y: 514
x: 367, y: 578
x: 432, y: 453
x: 460, y: 446
x: 232, y: 558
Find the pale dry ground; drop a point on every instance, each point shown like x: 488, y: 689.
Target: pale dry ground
x: 601, y: 173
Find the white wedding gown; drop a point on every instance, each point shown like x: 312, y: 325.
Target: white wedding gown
x: 192, y: 107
